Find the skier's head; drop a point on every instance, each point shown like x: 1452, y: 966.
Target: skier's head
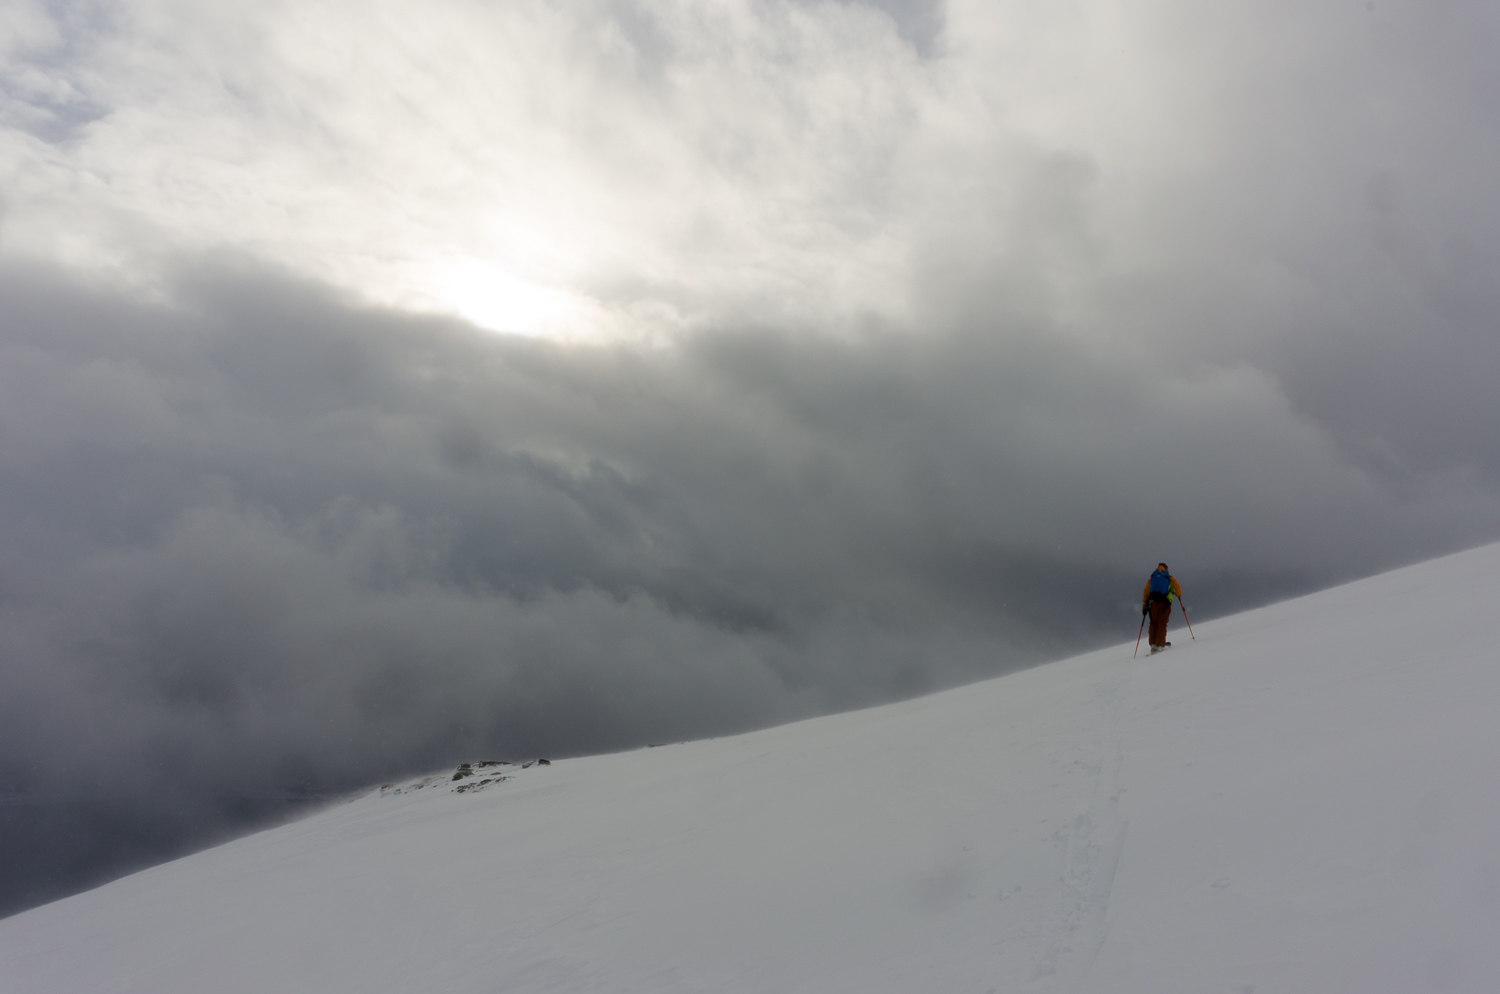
x: 1163, y: 567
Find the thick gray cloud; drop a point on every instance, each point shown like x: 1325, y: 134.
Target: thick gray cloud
x: 916, y: 333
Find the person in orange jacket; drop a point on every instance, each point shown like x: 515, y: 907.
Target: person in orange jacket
x: 1160, y: 592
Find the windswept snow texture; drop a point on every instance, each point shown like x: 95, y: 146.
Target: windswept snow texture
x: 1303, y: 799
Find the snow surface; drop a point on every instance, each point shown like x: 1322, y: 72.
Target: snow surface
x: 1302, y: 800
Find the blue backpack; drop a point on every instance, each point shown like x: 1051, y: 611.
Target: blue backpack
x: 1161, y: 583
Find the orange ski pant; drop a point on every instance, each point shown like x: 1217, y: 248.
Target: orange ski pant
x: 1159, y: 612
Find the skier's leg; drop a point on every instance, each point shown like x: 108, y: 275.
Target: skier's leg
x: 1158, y: 623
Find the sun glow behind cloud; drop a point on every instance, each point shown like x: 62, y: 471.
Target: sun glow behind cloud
x: 695, y: 162
x: 601, y: 172
x: 492, y: 298
x: 613, y: 169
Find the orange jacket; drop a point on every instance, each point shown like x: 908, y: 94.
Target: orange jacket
x: 1174, y: 592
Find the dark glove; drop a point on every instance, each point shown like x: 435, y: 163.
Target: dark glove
x: 1143, y: 610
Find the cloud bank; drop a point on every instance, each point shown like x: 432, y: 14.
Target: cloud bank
x: 874, y: 348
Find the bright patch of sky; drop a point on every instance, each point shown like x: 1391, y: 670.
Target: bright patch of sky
x: 532, y: 167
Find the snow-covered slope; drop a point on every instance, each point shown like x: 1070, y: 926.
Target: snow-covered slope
x: 1305, y: 799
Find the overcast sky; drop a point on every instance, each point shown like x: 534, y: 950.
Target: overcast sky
x: 387, y: 385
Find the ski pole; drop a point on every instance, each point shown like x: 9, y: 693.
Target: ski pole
x: 1143, y: 628
x: 1185, y: 618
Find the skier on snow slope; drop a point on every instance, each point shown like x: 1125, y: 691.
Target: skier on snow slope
x: 1156, y: 599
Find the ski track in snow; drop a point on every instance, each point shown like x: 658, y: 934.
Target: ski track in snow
x: 1091, y: 846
